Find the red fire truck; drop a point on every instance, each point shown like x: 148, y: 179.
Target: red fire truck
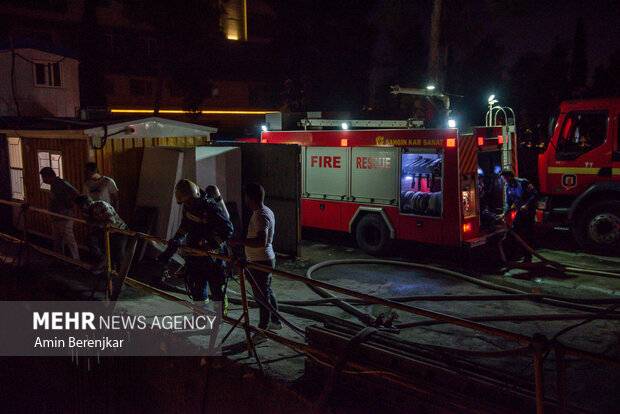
x: 426, y: 185
x: 579, y: 172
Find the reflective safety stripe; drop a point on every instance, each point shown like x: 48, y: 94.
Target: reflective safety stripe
x: 468, y: 151
x: 579, y: 170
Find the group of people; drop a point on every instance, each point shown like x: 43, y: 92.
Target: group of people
x: 205, y: 225
x: 98, y: 204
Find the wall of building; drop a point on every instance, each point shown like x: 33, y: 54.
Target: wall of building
x: 37, y: 100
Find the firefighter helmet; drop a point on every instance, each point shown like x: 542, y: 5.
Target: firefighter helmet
x: 186, y: 189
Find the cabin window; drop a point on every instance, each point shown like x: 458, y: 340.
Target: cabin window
x: 49, y: 159
x: 16, y: 168
x: 47, y: 74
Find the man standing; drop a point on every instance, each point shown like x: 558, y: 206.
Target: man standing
x: 259, y: 249
x: 205, y: 226
x: 99, y: 187
x: 99, y: 214
x: 521, y: 193
x: 61, y: 202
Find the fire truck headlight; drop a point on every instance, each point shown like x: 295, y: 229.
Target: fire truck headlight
x: 451, y: 123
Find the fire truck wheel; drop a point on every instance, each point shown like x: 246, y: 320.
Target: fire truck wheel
x: 598, y: 228
x: 373, y: 235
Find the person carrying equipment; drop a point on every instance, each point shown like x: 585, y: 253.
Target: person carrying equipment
x: 203, y: 226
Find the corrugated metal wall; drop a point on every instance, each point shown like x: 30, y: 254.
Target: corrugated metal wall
x: 120, y: 159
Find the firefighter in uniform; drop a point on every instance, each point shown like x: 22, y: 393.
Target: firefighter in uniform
x: 521, y: 193
x: 205, y: 226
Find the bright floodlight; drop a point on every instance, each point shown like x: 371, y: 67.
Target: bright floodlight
x: 492, y: 97
x: 430, y: 87
x: 345, y: 125
x: 263, y: 127
x: 451, y: 123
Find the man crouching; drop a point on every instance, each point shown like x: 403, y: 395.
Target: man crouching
x: 98, y: 215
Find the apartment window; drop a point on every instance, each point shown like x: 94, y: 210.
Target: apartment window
x: 47, y: 74
x: 49, y: 159
x: 16, y: 168
x: 140, y: 87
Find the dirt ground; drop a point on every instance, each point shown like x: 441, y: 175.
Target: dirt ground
x: 591, y: 386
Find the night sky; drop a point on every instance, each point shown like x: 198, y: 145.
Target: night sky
x: 545, y: 20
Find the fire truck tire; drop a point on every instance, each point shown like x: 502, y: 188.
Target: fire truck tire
x: 598, y: 228
x: 373, y: 235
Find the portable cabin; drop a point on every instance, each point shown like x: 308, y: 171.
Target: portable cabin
x: 66, y: 145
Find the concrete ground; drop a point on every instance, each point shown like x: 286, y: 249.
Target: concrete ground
x: 591, y: 386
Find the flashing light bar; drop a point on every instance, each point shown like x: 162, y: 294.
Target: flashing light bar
x: 179, y: 111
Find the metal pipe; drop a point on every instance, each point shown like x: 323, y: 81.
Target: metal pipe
x: 512, y: 318
x: 539, y: 359
x: 49, y: 213
x: 368, y: 298
x: 560, y: 371
x: 246, y: 315
x: 107, y: 253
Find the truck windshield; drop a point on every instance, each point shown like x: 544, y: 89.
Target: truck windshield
x: 581, y: 132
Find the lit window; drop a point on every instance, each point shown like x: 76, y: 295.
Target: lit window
x: 47, y: 74
x: 49, y: 159
x: 16, y: 168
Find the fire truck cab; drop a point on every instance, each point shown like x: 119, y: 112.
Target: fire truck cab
x: 579, y: 172
x: 425, y: 185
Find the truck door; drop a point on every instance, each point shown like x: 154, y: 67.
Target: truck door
x: 583, y: 154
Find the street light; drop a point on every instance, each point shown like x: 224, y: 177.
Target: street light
x: 492, y: 101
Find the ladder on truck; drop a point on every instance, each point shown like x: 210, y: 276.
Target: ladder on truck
x: 509, y: 132
x: 361, y: 123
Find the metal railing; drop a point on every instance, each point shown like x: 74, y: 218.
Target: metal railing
x: 537, y: 344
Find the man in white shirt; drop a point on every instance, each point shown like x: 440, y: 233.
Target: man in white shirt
x: 259, y: 249
x: 99, y: 187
